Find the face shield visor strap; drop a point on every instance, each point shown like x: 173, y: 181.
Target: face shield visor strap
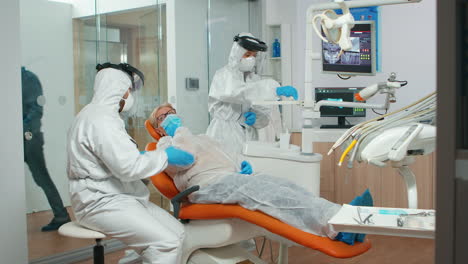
x: 250, y: 43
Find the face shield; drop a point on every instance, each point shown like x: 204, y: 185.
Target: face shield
x: 250, y: 43
x: 135, y: 75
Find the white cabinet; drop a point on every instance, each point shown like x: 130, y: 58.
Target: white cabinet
x: 280, y: 68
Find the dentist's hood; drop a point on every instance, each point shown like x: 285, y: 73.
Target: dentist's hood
x: 100, y: 148
x: 110, y: 86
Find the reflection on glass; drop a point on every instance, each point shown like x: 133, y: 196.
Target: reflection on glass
x: 33, y: 147
x: 47, y: 54
x: 136, y: 37
x: 133, y: 34
x: 41, y: 100
x: 62, y: 100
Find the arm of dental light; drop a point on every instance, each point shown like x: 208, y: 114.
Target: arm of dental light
x: 277, y: 102
x: 348, y: 105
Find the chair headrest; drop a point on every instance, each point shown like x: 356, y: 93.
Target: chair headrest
x: 151, y: 130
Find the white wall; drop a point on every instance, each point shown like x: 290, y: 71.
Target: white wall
x: 408, y: 48
x: 47, y: 50
x: 85, y: 8
x: 227, y: 19
x: 188, y: 57
x: 199, y: 48
x: 12, y: 205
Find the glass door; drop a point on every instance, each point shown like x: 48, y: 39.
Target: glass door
x: 59, y: 56
x: 48, y: 110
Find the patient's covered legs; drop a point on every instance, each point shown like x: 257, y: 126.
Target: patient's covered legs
x: 274, y: 196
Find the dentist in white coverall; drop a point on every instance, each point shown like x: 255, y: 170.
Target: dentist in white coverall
x: 105, y: 170
x: 235, y: 86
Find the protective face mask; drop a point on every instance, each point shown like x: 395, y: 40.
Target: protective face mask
x: 128, y: 103
x: 247, y: 64
x: 171, y: 124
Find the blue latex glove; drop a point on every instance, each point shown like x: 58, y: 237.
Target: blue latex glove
x: 171, y: 123
x: 250, y: 118
x: 287, y: 91
x: 246, y: 168
x: 178, y: 157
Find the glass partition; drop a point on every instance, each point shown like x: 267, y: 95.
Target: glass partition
x: 48, y: 110
x: 59, y: 56
x: 135, y: 36
x: 226, y: 19
x: 60, y: 50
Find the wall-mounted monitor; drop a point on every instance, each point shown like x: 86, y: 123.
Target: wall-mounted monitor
x: 360, y: 60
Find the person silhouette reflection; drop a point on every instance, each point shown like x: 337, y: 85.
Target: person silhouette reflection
x: 33, y: 140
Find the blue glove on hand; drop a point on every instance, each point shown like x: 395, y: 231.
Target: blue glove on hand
x: 178, y: 157
x: 287, y: 91
x: 171, y: 123
x: 250, y: 118
x: 246, y: 168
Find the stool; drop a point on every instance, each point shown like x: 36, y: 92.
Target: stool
x: 73, y: 229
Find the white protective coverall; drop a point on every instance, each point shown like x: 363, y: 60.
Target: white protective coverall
x: 230, y: 96
x: 105, y: 170
x: 217, y: 175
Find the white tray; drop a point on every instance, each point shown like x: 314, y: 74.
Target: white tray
x: 384, y: 221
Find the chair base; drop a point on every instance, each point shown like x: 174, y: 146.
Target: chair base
x: 98, y: 252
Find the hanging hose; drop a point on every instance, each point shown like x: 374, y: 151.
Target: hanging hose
x: 353, y: 143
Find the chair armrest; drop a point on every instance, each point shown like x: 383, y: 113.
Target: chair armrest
x: 177, y: 200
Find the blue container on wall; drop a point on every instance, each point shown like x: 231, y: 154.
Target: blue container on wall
x: 276, y: 49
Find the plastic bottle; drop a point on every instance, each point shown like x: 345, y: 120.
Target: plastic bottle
x: 276, y: 49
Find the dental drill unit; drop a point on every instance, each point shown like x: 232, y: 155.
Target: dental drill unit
x: 311, y: 109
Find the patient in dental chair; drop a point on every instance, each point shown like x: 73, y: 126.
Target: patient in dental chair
x: 222, y: 179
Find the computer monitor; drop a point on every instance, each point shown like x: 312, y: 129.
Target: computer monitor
x: 341, y: 94
x: 360, y: 60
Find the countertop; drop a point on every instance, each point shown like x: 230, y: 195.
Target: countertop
x: 325, y: 135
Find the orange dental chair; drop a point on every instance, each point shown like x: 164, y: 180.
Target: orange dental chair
x: 218, y: 225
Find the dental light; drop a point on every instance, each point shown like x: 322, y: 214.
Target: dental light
x: 337, y: 28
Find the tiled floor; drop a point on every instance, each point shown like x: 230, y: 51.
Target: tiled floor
x: 385, y: 249
x: 42, y: 244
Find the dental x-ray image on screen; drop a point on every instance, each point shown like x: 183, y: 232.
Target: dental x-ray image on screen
x: 359, y: 60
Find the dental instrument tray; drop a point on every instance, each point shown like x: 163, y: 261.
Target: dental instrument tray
x: 385, y: 221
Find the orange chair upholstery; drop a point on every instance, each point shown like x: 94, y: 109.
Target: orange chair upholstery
x: 189, y: 211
